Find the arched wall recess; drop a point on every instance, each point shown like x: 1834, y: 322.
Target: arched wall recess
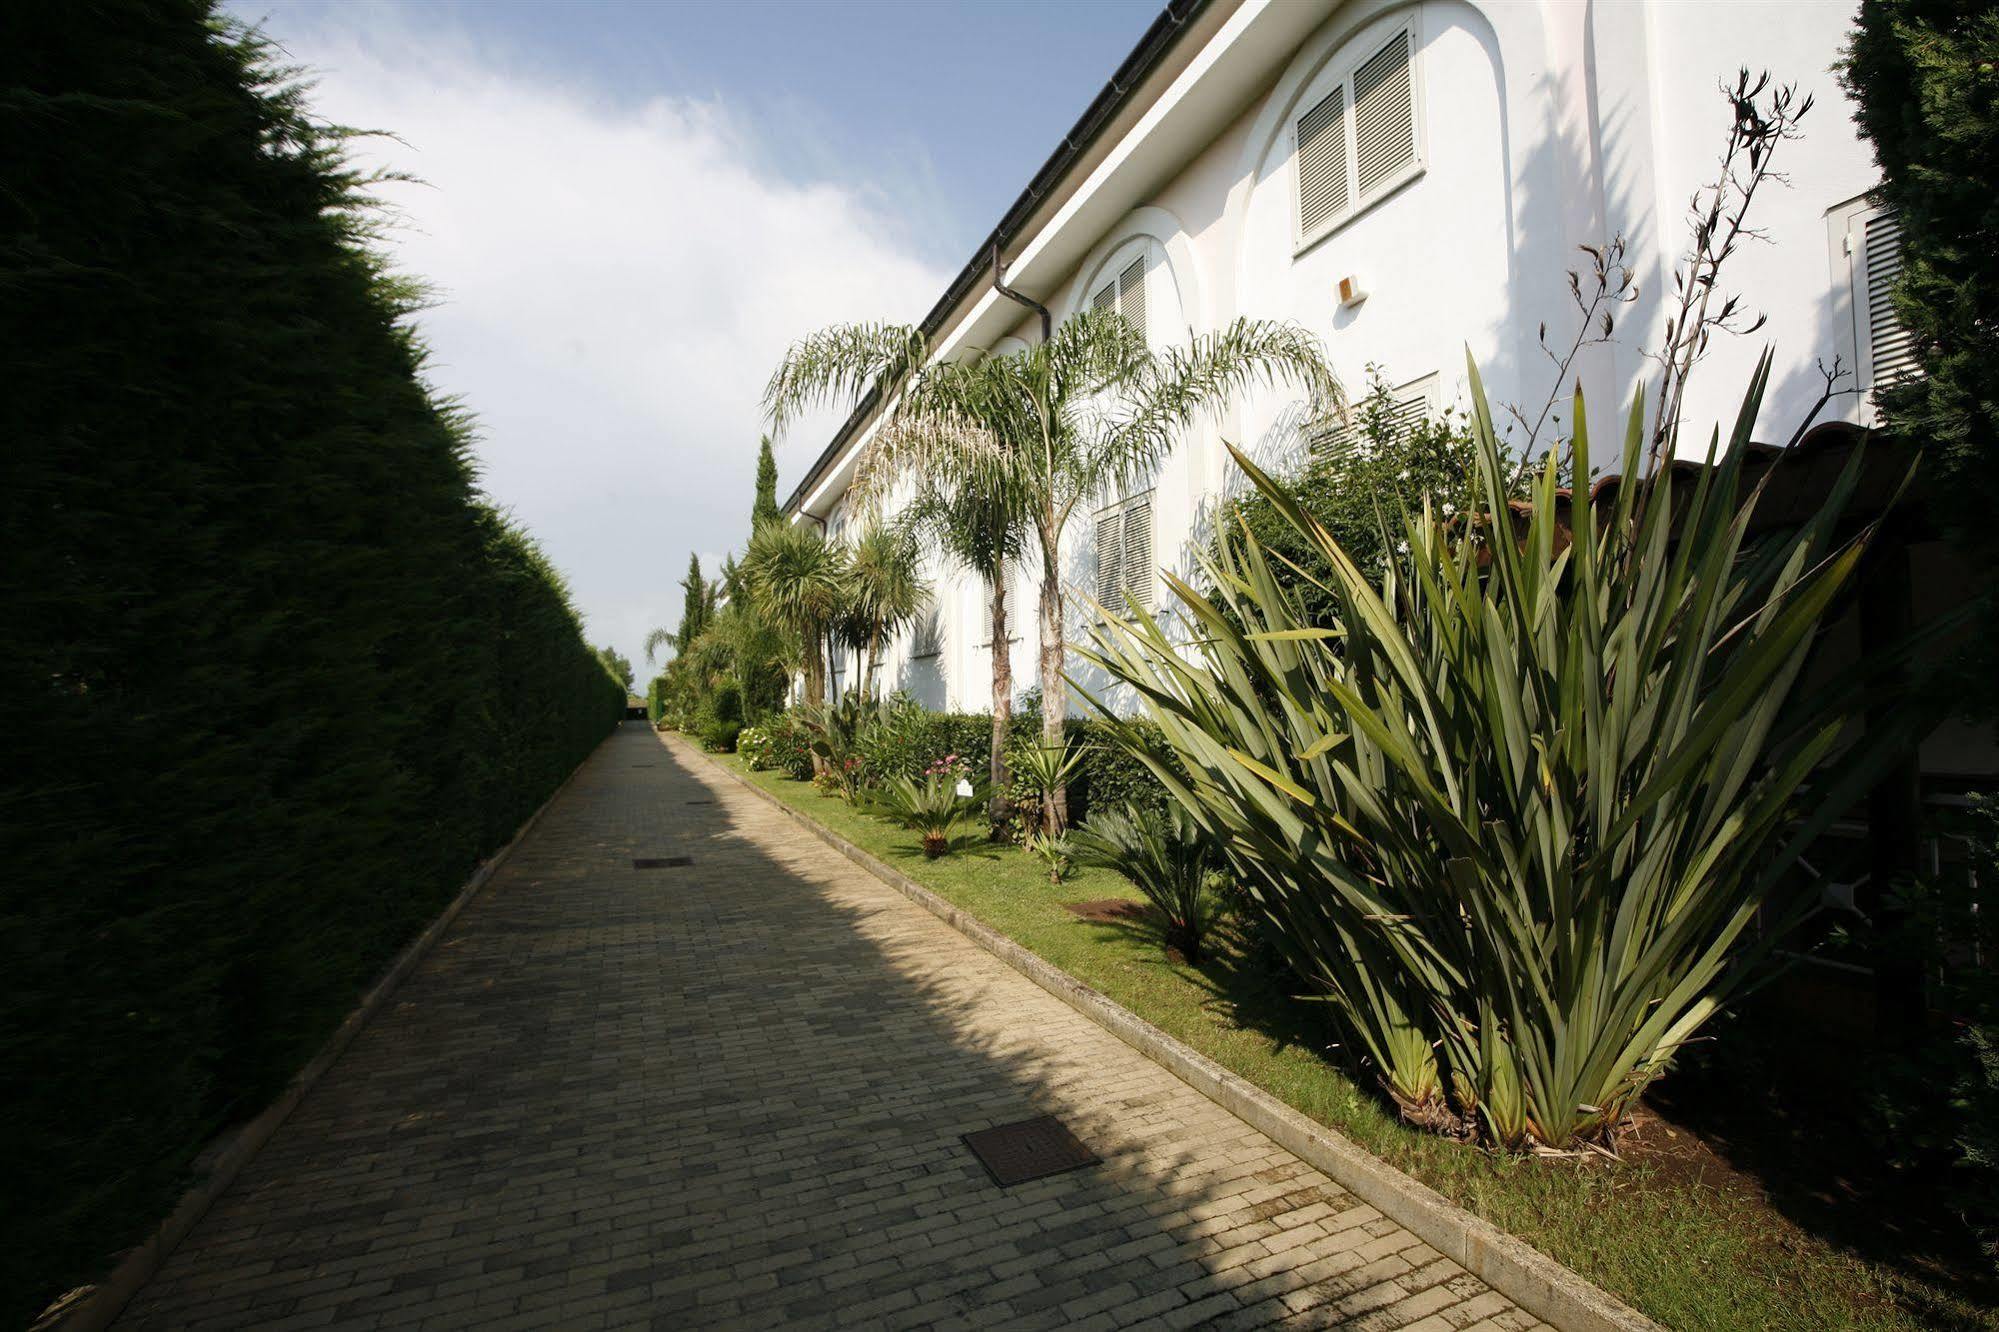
x: 1180, y: 265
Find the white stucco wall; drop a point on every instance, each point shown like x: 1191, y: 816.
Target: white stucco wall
x: 1541, y: 126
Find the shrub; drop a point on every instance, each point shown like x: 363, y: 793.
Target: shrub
x: 275, y: 679
x: 790, y: 745
x: 757, y: 747
x: 1521, y: 837
x: 1168, y: 856
x: 719, y: 737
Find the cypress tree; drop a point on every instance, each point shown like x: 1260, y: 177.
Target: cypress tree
x: 1924, y: 79
x: 696, y: 599
x: 765, y: 510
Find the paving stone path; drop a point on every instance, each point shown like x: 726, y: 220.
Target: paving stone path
x: 731, y: 1093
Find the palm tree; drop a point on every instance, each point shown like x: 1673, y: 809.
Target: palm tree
x: 1088, y: 411
x: 983, y: 526
x: 798, y: 579
x: 886, y: 589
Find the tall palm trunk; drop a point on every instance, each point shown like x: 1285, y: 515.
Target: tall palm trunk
x: 1002, y: 697
x: 815, y: 670
x: 874, y: 661
x: 1054, y: 690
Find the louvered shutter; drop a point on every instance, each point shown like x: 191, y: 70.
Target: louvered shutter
x: 1890, y: 354
x: 1110, y: 560
x: 1105, y: 299
x: 1322, y: 163
x: 1332, y: 436
x: 1131, y: 294
x: 1408, y: 414
x: 1384, y: 115
x: 1137, y: 553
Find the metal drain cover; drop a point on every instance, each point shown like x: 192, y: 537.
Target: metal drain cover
x: 662, y: 862
x: 1032, y: 1149
x: 700, y: 802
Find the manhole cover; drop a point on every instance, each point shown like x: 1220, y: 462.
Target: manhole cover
x: 1031, y: 1149
x: 662, y: 862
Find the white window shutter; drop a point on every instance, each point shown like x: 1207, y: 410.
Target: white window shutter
x: 1322, y: 163
x: 1105, y: 299
x: 1384, y: 115
x: 1137, y: 553
x: 1131, y: 294
x: 1110, y: 561
x: 1890, y: 354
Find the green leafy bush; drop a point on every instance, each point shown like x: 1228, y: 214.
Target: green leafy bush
x: 1517, y: 807
x: 719, y: 737
x: 1169, y: 857
x: 754, y: 743
x: 790, y: 743
x: 276, y: 678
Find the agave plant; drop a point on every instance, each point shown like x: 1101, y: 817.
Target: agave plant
x: 1517, y: 807
x: 1170, y: 858
x: 935, y: 807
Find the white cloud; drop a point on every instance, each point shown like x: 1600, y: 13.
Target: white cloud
x: 615, y: 282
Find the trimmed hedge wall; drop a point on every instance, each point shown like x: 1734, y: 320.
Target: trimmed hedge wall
x: 274, y: 678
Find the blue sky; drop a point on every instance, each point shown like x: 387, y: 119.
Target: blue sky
x: 628, y: 210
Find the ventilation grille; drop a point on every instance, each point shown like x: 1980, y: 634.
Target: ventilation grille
x: 1384, y: 114
x: 1891, y: 355
x: 1322, y: 163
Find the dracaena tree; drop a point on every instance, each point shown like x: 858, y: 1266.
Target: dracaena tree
x: 1086, y: 412
x: 799, y: 581
x: 885, y: 591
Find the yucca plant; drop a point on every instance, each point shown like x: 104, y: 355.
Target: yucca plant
x: 1168, y: 856
x: 838, y: 730
x: 1517, y: 808
x: 1043, y: 768
x: 934, y: 808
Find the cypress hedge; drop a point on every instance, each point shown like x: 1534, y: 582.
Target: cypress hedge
x: 274, y: 678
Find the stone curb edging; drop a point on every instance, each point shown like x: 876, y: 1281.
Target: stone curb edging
x: 1514, y: 1268
x: 93, y: 1308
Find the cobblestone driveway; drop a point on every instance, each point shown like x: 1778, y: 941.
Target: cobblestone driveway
x: 731, y: 1094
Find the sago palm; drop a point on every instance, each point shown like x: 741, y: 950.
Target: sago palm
x: 1084, y: 414
x: 1519, y: 806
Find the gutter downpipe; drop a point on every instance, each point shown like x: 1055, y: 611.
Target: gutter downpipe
x: 999, y: 285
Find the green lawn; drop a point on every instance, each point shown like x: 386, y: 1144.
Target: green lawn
x: 1688, y: 1255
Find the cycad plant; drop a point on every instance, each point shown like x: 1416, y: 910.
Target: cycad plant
x: 1518, y: 807
x: 1168, y: 856
x: 934, y: 807
x: 1081, y: 415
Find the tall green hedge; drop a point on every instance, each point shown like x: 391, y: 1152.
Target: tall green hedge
x: 272, y: 678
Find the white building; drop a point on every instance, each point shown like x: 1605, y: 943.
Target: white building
x: 1447, y: 157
